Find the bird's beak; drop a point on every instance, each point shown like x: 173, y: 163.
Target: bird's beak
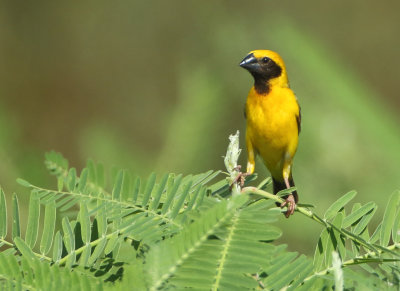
x: 250, y: 63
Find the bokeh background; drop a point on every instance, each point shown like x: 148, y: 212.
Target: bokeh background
x: 155, y: 85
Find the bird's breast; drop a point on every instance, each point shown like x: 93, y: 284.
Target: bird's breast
x: 271, y: 123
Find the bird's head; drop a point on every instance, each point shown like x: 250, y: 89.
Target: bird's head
x: 267, y: 68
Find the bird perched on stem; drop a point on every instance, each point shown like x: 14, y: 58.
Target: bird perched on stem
x: 273, y: 121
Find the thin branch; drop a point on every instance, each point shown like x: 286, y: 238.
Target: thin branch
x: 11, y: 245
x: 115, y: 202
x: 2, y: 240
x: 92, y: 244
x: 224, y: 252
x: 24, y: 285
x: 356, y: 260
x: 307, y: 212
x: 64, y: 174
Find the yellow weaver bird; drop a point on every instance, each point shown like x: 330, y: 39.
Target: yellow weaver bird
x: 273, y: 121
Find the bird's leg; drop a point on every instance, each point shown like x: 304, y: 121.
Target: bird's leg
x: 289, y: 201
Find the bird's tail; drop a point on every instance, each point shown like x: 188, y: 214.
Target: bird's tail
x: 280, y: 185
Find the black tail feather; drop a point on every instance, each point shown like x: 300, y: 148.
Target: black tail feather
x: 280, y: 185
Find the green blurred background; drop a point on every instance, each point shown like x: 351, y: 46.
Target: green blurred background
x: 155, y: 85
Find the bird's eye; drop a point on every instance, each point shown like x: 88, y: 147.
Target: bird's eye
x: 265, y: 60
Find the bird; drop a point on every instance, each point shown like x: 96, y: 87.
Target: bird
x: 273, y: 121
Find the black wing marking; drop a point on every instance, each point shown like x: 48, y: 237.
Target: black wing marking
x: 298, y: 119
x: 244, y: 111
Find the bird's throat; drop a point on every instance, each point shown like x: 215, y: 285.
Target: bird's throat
x: 261, y: 85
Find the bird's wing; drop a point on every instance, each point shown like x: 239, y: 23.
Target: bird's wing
x: 298, y: 119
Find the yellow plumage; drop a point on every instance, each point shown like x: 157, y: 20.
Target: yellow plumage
x: 273, y: 117
x: 272, y: 130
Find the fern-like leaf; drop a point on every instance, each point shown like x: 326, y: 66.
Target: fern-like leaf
x: 3, y: 215
x: 32, y: 228
x: 16, y: 227
x: 167, y: 257
x: 389, y: 218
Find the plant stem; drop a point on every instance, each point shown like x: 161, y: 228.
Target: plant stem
x: 124, y: 204
x: 307, y: 212
x: 2, y: 240
x: 14, y: 281
x: 11, y: 245
x: 92, y: 244
x: 302, y: 210
x: 224, y: 252
x: 354, y: 261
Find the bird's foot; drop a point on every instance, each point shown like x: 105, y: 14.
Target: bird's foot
x: 291, y: 205
x: 240, y: 178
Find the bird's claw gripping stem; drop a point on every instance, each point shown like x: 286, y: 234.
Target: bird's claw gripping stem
x: 291, y: 205
x: 240, y: 178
